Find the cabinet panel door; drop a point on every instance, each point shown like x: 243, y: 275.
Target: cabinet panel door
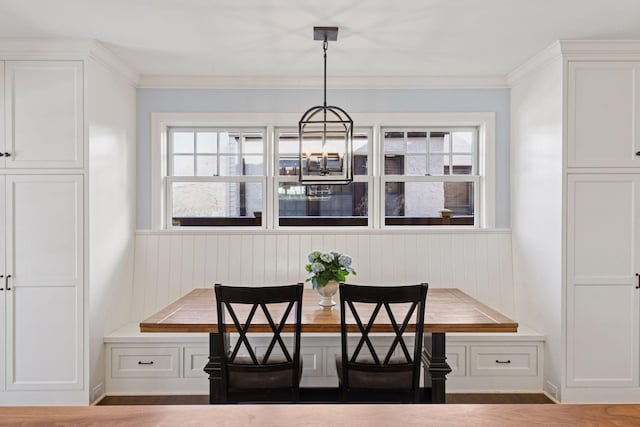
x: 602, y: 301
x: 3, y: 271
x: 44, y: 134
x: 45, y: 304
x: 603, y: 115
x: 2, y: 132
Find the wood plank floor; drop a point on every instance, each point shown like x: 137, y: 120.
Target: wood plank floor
x: 480, y: 398
x: 324, y: 415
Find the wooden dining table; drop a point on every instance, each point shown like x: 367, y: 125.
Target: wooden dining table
x: 447, y: 310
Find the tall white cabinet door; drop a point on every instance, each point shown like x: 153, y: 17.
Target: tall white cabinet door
x: 3, y: 272
x: 45, y: 303
x: 602, y: 259
x: 44, y: 114
x: 603, y: 126
x: 2, y: 133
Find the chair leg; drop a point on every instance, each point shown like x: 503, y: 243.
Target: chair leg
x: 343, y: 393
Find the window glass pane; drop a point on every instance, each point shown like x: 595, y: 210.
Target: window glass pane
x: 339, y: 203
x: 183, y: 165
x: 360, y: 153
x: 417, y: 142
x: 253, y: 165
x: 416, y: 165
x: 422, y: 203
x: 207, y: 166
x: 229, y: 143
x: 462, y: 142
x: 216, y: 200
x: 253, y: 143
x: 182, y: 142
x: 438, y: 164
x: 289, y: 145
x: 394, y: 142
x: 462, y: 165
x: 207, y: 142
x: 230, y: 165
x: 439, y: 142
x: 393, y: 164
x: 289, y: 151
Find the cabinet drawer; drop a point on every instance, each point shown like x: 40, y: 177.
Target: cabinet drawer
x: 195, y: 359
x: 504, y: 361
x: 145, y: 362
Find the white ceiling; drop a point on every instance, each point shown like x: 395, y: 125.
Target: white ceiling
x: 273, y: 38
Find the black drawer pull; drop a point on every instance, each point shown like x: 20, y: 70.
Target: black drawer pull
x: 6, y: 282
x: 503, y: 361
x: 7, y: 154
x: 140, y: 362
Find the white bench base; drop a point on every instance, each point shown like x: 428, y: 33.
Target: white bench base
x: 164, y: 363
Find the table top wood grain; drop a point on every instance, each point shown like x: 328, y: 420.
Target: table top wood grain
x: 447, y: 310
x: 324, y: 415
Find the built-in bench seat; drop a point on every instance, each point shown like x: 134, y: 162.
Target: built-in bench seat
x: 171, y: 363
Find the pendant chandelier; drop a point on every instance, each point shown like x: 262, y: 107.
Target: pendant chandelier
x: 325, y: 134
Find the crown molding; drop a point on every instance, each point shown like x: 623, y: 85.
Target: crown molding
x: 47, y: 49
x: 600, y: 49
x: 533, y: 64
x: 65, y: 50
x: 577, y: 50
x: 212, y: 82
x: 101, y: 54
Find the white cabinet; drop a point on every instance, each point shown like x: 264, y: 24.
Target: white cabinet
x: 43, y: 254
x: 43, y: 111
x: 603, y: 114
x: 602, y: 300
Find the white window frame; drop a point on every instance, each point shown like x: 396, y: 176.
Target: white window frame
x: 474, y: 178
x: 170, y: 179
x: 368, y: 178
x: 483, y: 121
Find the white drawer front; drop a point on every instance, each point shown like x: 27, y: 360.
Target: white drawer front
x: 457, y: 359
x: 195, y: 359
x: 504, y: 361
x: 145, y: 362
x: 311, y: 359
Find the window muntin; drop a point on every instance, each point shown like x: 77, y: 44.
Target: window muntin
x: 430, y: 176
x: 216, y: 177
x: 325, y: 204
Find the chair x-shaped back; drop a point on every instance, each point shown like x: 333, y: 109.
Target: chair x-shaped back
x: 242, y: 330
x: 365, y: 329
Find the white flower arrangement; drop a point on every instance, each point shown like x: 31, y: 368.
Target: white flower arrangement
x: 326, y: 266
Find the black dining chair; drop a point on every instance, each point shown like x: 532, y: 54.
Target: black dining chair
x: 394, y: 373
x: 250, y: 374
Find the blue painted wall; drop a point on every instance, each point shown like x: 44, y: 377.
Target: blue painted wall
x: 292, y: 100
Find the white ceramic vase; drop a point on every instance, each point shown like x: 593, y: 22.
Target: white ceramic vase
x: 326, y: 293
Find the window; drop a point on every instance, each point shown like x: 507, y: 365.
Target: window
x: 326, y: 204
x: 215, y: 177
x: 430, y: 176
x: 241, y: 170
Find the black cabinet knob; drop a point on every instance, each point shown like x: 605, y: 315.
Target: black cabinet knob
x: 637, y: 153
x: 7, y: 154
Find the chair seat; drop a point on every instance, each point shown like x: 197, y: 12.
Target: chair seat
x: 243, y: 374
x: 382, y: 378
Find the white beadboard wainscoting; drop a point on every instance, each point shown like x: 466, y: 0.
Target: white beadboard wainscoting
x: 168, y: 264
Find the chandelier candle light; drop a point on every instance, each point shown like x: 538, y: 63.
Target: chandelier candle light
x: 328, y: 269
